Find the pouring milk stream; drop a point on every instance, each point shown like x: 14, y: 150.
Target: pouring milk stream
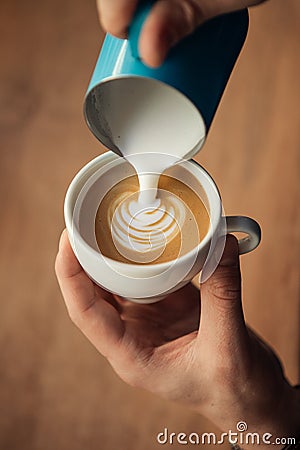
x: 157, y: 117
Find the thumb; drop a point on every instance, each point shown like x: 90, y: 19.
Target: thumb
x: 168, y: 22
x: 222, y: 319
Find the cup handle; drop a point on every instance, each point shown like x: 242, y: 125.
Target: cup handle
x: 245, y: 225
x: 135, y: 27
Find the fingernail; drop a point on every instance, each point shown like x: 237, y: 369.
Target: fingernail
x: 231, y: 261
x: 231, y: 253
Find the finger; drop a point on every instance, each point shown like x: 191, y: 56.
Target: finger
x: 222, y: 319
x: 168, y: 22
x: 172, y: 20
x: 87, y: 304
x: 115, y: 15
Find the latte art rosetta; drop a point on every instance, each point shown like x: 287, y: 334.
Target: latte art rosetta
x: 149, y: 227
x: 141, y: 232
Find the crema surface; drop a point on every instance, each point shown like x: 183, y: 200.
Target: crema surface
x: 137, y: 232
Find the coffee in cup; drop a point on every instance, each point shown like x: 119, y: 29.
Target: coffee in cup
x: 136, y: 232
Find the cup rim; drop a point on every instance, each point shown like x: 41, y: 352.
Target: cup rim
x: 88, y: 170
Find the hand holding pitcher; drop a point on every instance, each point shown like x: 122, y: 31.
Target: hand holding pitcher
x: 168, y: 23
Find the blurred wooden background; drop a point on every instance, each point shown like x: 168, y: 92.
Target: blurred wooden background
x: 56, y: 392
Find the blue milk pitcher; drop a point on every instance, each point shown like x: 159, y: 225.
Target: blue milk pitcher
x: 169, y: 107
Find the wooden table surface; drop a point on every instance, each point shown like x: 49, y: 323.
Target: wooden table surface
x: 56, y: 392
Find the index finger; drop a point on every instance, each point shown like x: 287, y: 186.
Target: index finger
x: 115, y: 15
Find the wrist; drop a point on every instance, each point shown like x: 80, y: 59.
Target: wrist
x: 272, y: 426
x: 282, y: 422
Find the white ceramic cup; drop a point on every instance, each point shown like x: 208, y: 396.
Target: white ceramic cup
x: 147, y: 283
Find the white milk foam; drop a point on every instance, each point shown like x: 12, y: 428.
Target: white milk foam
x: 145, y: 222
x: 145, y: 229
